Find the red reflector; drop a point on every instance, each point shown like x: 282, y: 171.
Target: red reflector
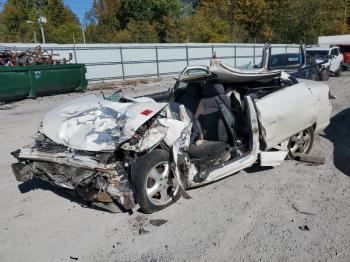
x: 146, y: 112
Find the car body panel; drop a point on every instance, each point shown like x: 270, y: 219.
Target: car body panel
x: 321, y: 91
x: 94, y: 124
x: 226, y: 73
x: 286, y: 112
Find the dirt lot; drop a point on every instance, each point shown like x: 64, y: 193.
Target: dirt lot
x: 295, y: 212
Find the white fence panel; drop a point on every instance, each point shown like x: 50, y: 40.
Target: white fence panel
x: 120, y: 61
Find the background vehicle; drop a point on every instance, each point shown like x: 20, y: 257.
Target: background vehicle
x: 345, y: 50
x: 334, y: 55
x: 297, y: 65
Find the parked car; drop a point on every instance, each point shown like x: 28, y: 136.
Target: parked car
x: 345, y: 50
x: 121, y: 151
x: 334, y: 55
x: 297, y: 65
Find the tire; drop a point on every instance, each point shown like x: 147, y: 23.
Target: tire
x: 298, y: 144
x: 324, y: 75
x: 154, y: 181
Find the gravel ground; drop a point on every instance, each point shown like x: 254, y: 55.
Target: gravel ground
x: 294, y: 212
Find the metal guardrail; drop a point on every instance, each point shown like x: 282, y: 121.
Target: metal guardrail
x: 234, y: 51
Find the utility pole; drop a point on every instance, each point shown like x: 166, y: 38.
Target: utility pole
x: 74, y: 49
x: 34, y: 35
x: 41, y: 20
x: 83, y: 32
x: 345, y: 11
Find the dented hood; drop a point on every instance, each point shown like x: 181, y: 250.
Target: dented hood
x: 94, y: 124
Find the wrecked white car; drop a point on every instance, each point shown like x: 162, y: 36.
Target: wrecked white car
x: 121, y: 152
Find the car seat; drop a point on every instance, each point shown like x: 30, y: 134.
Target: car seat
x: 214, y: 114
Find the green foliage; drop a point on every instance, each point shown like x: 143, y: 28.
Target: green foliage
x: 147, y: 21
x: 62, y: 22
x: 152, y: 18
x: 303, y: 21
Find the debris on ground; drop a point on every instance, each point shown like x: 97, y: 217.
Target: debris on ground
x: 304, y: 228
x: 299, y: 211
x: 143, y: 231
x: 317, y: 160
x: 157, y: 222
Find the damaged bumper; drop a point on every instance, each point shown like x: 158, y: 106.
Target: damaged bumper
x: 92, y: 180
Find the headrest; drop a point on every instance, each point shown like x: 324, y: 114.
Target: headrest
x: 213, y: 90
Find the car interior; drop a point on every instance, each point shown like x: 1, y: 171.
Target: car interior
x: 218, y: 114
x: 218, y: 111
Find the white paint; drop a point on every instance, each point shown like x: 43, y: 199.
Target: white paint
x: 94, y: 124
x: 174, y: 127
x: 272, y: 158
x: 288, y: 111
x: 230, y: 74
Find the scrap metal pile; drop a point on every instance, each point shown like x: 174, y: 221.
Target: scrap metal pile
x: 36, y: 56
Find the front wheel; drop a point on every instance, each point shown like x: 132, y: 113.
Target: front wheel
x: 301, y: 143
x: 324, y: 75
x: 155, y: 185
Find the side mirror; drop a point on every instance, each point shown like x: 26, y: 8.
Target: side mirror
x: 70, y: 56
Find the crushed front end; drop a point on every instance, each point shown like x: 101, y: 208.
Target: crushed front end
x: 97, y: 177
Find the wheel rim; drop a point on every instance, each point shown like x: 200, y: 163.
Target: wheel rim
x: 326, y: 75
x: 160, y: 188
x: 300, y: 143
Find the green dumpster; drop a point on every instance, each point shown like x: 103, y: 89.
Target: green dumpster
x: 18, y: 82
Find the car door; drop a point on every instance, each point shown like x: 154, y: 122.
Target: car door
x: 335, y: 61
x: 286, y: 112
x: 339, y: 57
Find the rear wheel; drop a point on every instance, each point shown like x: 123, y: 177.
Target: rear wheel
x: 155, y: 185
x: 301, y: 143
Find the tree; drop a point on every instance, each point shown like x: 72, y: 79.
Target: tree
x: 286, y: 21
x: 121, y: 17
x: 295, y: 21
x: 62, y: 22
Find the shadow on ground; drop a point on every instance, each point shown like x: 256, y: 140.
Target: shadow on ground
x: 36, y: 184
x: 257, y: 168
x: 338, y: 132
